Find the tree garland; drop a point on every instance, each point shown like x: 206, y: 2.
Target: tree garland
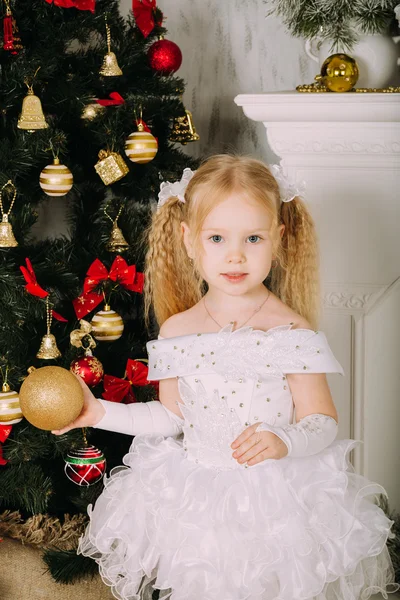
x: 43, y: 531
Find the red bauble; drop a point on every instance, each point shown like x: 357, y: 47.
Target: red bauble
x: 89, y: 368
x: 165, y: 57
x: 85, y: 466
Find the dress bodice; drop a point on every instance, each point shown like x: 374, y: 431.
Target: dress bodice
x: 229, y: 379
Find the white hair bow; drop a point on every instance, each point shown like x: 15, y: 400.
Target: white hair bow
x: 176, y: 189
x: 287, y: 189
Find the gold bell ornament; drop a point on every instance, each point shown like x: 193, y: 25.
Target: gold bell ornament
x: 111, y: 167
x: 183, y: 130
x: 110, y: 67
x: 48, y: 347
x: 117, y: 242
x: 339, y: 73
x: 31, y: 117
x: 107, y: 325
x: 7, y: 239
x: 56, y: 179
x: 10, y: 409
x: 141, y: 146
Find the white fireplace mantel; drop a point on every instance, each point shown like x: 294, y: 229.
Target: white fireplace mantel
x: 346, y: 147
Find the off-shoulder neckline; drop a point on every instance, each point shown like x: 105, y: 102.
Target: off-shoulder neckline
x: 228, y: 328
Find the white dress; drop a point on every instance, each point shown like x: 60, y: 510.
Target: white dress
x: 183, y: 516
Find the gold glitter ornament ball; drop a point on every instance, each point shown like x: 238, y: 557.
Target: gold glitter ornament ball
x: 56, y: 179
x: 51, y: 398
x: 339, y: 73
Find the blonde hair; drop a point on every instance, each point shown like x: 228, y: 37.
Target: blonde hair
x: 173, y: 284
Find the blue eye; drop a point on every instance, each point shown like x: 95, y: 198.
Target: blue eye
x: 216, y: 236
x: 251, y: 238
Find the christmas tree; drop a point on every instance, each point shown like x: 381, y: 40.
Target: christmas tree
x: 90, y: 103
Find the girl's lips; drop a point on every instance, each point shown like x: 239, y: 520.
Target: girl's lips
x: 234, y: 278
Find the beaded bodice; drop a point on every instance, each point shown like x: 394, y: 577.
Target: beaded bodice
x: 229, y: 379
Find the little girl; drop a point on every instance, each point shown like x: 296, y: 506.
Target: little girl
x: 250, y: 503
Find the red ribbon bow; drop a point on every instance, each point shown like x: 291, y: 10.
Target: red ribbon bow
x: 116, y: 99
x: 33, y: 288
x: 116, y: 389
x: 143, y: 11
x: 79, y: 4
x: 120, y: 272
x: 5, y: 431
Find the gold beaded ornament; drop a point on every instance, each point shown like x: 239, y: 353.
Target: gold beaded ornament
x: 116, y: 242
x: 110, y: 67
x: 7, y: 238
x: 48, y: 348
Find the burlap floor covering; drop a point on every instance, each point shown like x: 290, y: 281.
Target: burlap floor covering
x: 23, y: 576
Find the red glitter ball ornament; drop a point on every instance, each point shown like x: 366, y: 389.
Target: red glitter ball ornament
x: 85, y: 466
x: 165, y: 57
x: 89, y: 368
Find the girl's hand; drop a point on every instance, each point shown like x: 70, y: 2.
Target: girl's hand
x: 91, y: 413
x: 253, y: 446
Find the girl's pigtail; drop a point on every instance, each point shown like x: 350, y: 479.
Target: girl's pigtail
x: 296, y: 279
x: 171, y: 283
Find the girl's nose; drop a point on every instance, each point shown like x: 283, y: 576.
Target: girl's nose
x: 235, y: 256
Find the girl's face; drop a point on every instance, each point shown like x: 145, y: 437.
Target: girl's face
x: 237, y: 247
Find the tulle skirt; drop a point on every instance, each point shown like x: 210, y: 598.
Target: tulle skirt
x: 288, y: 529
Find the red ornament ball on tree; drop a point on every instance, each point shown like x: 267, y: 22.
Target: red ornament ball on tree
x: 89, y: 368
x: 165, y: 57
x: 85, y: 466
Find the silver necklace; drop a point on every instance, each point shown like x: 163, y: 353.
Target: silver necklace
x: 233, y: 322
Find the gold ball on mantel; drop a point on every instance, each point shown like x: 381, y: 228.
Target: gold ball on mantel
x: 339, y: 73
x: 50, y: 398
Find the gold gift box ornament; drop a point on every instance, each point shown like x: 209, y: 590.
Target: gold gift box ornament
x: 111, y: 167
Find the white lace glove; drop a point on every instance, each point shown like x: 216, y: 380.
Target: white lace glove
x: 310, y: 435
x: 139, y: 418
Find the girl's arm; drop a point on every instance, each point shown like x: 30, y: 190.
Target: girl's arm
x: 316, y: 416
x: 132, y: 419
x: 140, y: 418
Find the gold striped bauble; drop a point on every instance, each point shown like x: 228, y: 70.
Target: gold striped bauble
x: 107, y: 325
x: 56, y: 179
x: 141, y: 146
x: 10, y: 409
